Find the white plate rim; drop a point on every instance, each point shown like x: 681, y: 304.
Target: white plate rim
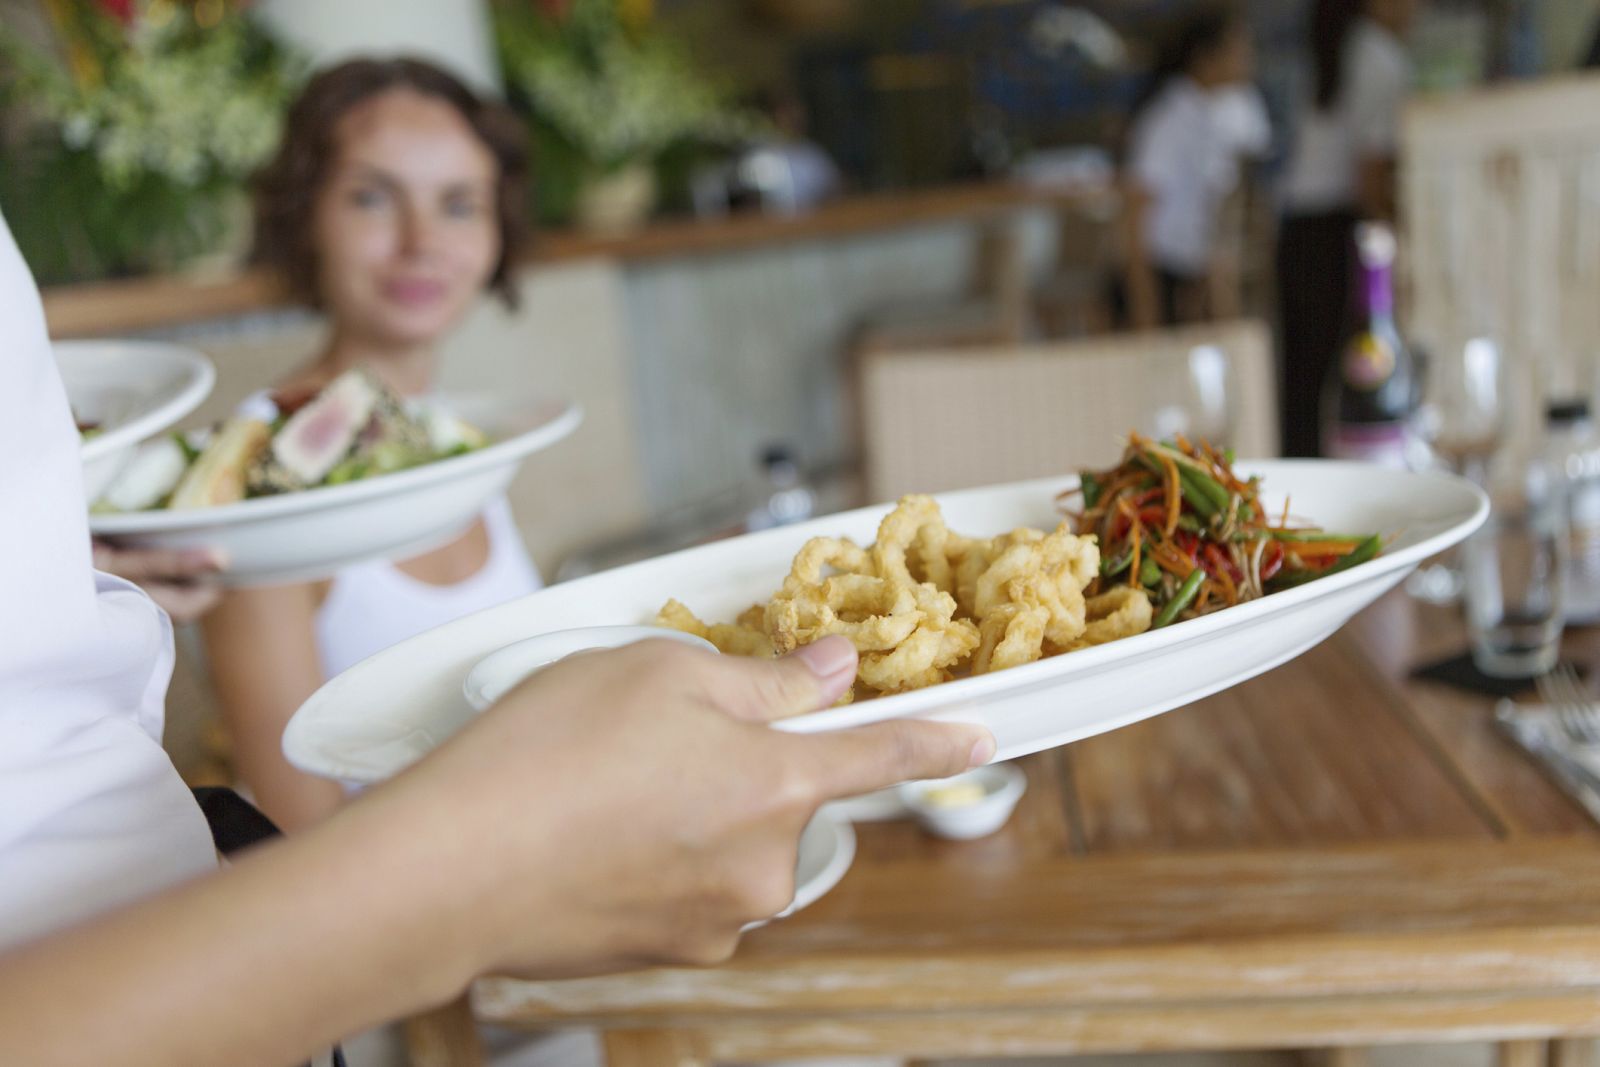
x: 564, y: 419
x: 202, y: 379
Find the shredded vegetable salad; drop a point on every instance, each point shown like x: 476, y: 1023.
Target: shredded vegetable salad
x: 1173, y: 518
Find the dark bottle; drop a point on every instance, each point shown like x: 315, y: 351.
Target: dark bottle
x: 1370, y: 395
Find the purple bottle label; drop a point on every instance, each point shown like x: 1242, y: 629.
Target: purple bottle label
x: 1383, y: 443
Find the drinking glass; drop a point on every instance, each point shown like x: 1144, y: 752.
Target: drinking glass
x: 1513, y: 570
x: 1198, y: 401
x: 1461, y: 421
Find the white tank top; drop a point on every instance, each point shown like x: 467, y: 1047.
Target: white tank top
x: 374, y: 605
x: 92, y: 814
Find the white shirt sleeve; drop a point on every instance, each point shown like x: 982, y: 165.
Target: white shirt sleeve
x: 1155, y: 146
x: 92, y: 814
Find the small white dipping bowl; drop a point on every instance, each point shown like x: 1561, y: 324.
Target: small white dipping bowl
x: 996, y: 789
x: 501, y: 671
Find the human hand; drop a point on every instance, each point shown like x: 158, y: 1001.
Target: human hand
x: 629, y: 808
x: 183, y: 582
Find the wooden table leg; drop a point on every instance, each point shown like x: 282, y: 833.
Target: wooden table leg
x: 1520, y: 1054
x: 444, y: 1037
x: 654, y: 1048
x: 1572, y: 1052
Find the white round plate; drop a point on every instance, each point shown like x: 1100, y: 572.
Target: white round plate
x: 371, y: 720
x: 827, y: 848
x: 297, y: 537
x: 134, y: 390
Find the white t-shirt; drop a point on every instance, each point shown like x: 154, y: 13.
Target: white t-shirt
x: 1363, y: 123
x: 92, y: 814
x: 1184, y: 150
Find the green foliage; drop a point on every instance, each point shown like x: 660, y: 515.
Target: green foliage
x: 602, y: 94
x: 133, y: 154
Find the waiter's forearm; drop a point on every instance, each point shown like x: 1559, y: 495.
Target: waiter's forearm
x: 303, y: 943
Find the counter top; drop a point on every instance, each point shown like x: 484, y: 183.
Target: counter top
x: 135, y: 304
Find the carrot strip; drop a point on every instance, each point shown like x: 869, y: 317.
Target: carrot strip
x: 1315, y: 549
x: 1229, y: 591
x: 1171, y: 560
x: 1138, y: 542
x: 1174, y: 492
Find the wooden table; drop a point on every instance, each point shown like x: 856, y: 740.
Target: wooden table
x: 1331, y: 855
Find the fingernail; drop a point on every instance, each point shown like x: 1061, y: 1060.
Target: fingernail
x: 982, y: 752
x: 827, y: 658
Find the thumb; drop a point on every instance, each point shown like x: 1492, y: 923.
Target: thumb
x: 763, y: 690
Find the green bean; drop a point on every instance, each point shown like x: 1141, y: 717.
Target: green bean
x: 1111, y: 567
x: 1091, y: 489
x: 1197, y: 497
x: 1356, y: 556
x: 1308, y: 536
x: 1181, y: 600
x: 1149, y: 573
x: 1212, y: 488
x: 1190, y: 523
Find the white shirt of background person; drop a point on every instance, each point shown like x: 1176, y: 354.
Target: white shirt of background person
x: 92, y: 813
x: 1185, y: 150
x: 1363, y: 122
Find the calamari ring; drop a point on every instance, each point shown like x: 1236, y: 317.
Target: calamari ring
x: 1012, y: 635
x: 873, y: 614
x: 896, y: 533
x: 1119, y: 612
x: 840, y: 553
x: 735, y: 640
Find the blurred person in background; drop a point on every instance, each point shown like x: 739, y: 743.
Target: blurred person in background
x: 1194, y: 122
x: 1341, y: 170
x: 395, y: 200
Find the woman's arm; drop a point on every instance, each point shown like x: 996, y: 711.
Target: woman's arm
x: 261, y: 644
x: 556, y: 836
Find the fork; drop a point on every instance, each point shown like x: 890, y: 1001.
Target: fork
x: 1574, y: 709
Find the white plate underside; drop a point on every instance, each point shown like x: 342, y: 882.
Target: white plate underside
x: 389, y: 710
x: 134, y: 390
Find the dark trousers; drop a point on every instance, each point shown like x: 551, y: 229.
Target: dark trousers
x: 1316, y: 283
x: 1177, y: 296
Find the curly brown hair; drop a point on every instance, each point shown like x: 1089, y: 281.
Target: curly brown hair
x: 286, y: 189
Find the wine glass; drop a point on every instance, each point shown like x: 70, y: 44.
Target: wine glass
x: 1460, y: 423
x: 1198, y: 402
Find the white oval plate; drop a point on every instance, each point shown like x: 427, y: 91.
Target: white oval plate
x: 298, y: 537
x: 134, y: 390
x: 385, y: 712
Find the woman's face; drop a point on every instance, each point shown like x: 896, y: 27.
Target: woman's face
x: 406, y: 226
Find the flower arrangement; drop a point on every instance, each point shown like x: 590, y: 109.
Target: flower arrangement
x: 607, y: 90
x: 136, y: 148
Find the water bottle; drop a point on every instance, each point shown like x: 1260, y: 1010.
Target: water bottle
x: 1572, y: 448
x: 786, y: 498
